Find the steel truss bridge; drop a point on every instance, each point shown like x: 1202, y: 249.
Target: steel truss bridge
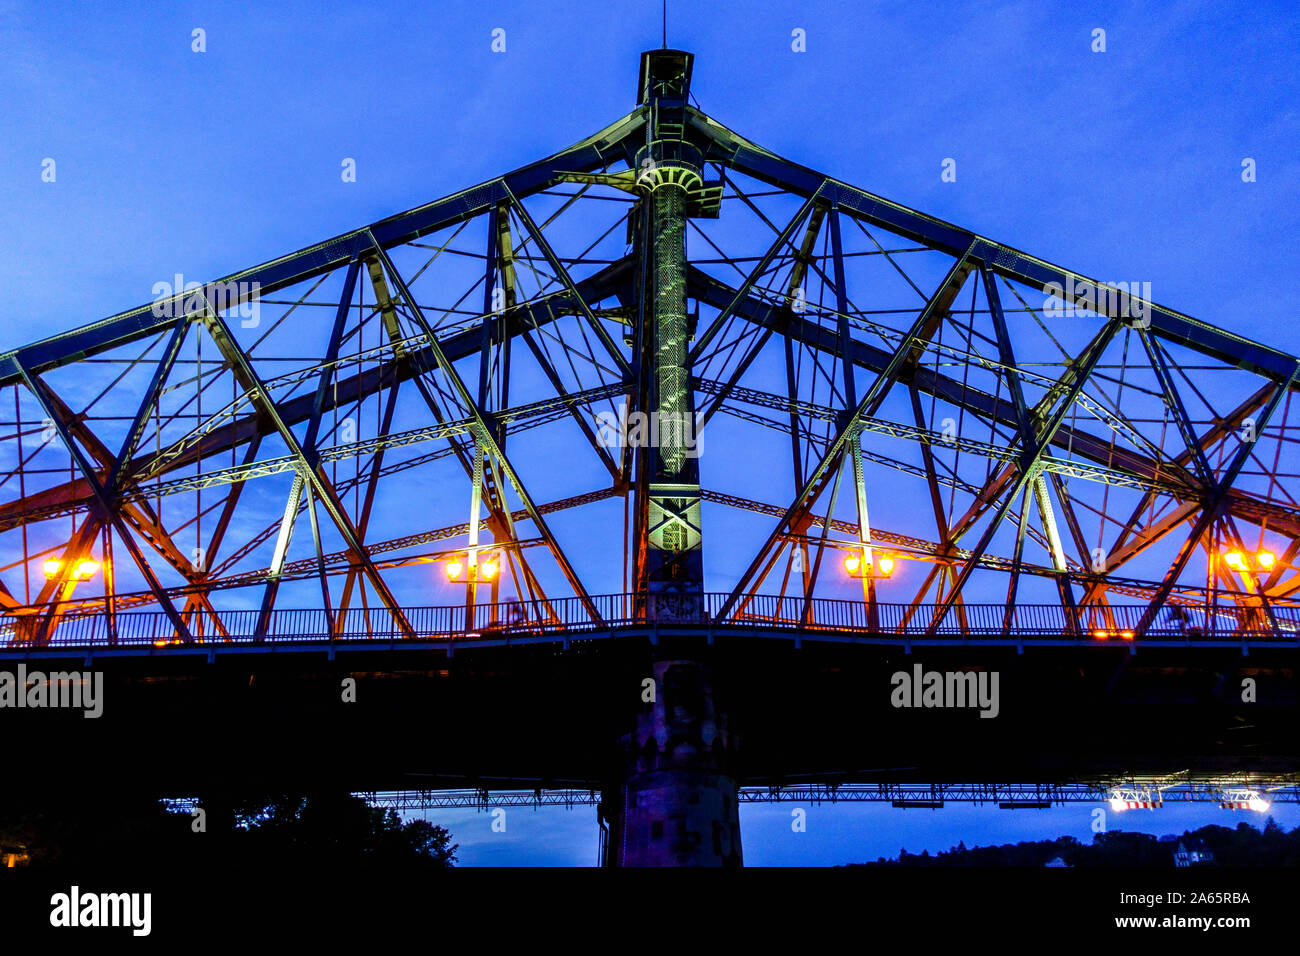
x: 994, y: 451
x: 1228, y: 792
x: 661, y: 381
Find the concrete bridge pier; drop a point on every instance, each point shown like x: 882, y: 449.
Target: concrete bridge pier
x: 676, y: 802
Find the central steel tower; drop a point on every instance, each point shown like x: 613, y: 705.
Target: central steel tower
x: 669, y: 564
x: 676, y: 804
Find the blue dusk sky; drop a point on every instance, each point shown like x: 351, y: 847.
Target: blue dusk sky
x: 1123, y: 165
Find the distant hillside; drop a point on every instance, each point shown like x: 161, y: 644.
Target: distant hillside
x: 1243, y: 846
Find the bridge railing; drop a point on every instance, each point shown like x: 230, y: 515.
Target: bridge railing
x: 574, y: 616
x: 990, y: 620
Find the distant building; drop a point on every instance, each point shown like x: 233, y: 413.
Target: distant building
x: 1056, y: 861
x: 1192, y: 853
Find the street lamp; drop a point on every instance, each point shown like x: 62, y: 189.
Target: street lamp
x: 1242, y: 561
x: 474, y: 569
x: 483, y: 570
x: 84, y: 570
x: 859, y: 567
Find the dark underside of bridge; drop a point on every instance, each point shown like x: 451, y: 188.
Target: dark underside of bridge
x: 185, y: 724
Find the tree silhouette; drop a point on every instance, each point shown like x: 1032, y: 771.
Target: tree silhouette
x: 324, y: 830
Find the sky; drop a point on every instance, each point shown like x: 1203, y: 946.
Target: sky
x: 1122, y: 163
x: 834, y: 835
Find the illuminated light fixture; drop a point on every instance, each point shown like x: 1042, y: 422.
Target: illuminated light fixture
x: 1117, y: 804
x: 1127, y: 635
x: 1101, y: 635
x: 453, y: 569
x: 84, y: 570
x: 1263, y: 560
x: 488, y: 570
x: 1244, y: 799
x: 881, y: 566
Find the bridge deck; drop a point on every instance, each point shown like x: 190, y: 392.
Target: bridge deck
x: 564, y: 620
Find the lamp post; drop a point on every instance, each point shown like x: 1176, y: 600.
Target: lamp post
x: 869, y: 566
x: 1252, y: 568
x: 471, y: 569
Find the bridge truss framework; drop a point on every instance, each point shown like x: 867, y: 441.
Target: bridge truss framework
x: 1233, y: 792
x: 307, y: 433
x: 663, y: 380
